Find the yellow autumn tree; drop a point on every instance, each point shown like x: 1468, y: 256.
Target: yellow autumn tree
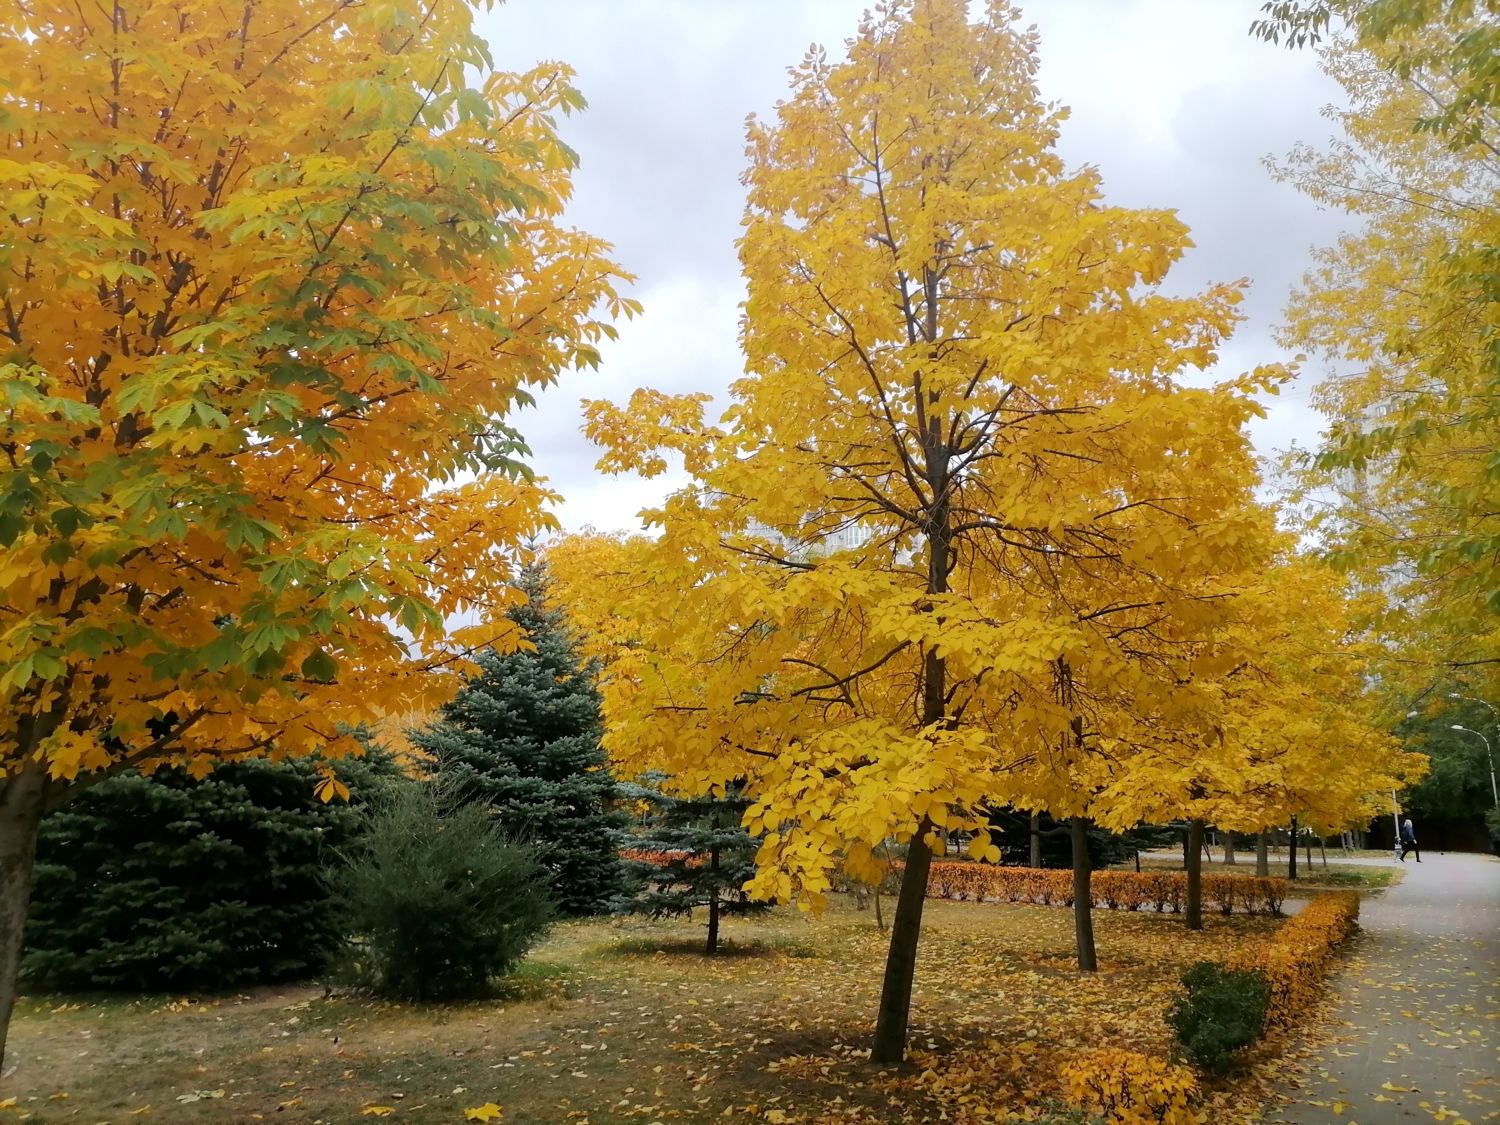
x: 1402, y: 314
x: 1270, y: 718
x: 960, y: 492
x: 1289, y: 729
x: 272, y: 277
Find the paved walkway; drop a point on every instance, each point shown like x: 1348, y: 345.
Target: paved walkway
x: 1421, y: 1002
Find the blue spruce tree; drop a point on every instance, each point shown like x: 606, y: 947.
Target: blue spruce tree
x: 692, y: 853
x: 522, y: 737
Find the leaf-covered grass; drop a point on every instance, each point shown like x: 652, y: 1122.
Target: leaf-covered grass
x: 628, y: 1021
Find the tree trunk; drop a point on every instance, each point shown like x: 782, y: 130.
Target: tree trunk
x: 901, y: 961
x: 1083, y: 896
x: 1229, y: 860
x: 1195, y: 875
x: 22, y: 801
x: 906, y: 927
x: 713, y: 903
x: 1036, y: 839
x: 1291, y: 852
x: 1262, y: 859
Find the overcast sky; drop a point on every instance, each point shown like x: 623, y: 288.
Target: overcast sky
x: 1171, y: 99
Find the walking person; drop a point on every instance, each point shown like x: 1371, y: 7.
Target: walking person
x: 1409, y: 841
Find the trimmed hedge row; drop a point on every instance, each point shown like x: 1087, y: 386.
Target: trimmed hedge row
x: 1296, y: 958
x: 1117, y: 890
x: 1126, y: 1088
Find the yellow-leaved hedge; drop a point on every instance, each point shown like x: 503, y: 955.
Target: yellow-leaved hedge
x: 1297, y: 957
x: 1127, y: 1088
x: 1117, y: 890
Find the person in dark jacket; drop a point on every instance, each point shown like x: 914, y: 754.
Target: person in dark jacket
x: 1409, y: 841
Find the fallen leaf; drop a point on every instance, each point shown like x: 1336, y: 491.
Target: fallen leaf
x: 199, y: 1095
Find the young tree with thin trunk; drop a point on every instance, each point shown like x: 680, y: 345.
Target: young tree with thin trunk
x: 691, y: 853
x: 271, y: 280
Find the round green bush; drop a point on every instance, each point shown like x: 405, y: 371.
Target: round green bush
x: 1222, y: 1011
x: 436, y: 901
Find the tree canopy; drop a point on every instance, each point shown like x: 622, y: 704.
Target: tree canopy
x: 272, y: 280
x: 962, y: 513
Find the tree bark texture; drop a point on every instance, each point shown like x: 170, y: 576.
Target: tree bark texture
x: 1195, y: 875
x: 1083, y: 895
x: 906, y: 926
x: 22, y: 802
x: 1262, y: 858
x: 901, y: 961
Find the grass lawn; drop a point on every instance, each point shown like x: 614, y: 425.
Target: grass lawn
x: 1336, y: 876
x: 616, y: 1021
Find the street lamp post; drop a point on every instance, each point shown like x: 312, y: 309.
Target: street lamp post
x: 1494, y: 789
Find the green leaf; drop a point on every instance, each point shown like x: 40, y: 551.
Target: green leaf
x: 67, y: 520
x: 320, y: 666
x: 91, y: 640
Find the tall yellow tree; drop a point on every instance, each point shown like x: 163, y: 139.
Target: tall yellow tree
x: 272, y: 277
x: 1403, y: 313
x: 959, y: 492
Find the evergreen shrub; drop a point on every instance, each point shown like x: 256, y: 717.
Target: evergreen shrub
x: 167, y: 883
x: 437, y: 902
x: 1222, y: 1011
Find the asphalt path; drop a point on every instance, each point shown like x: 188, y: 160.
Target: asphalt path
x: 1419, y: 1005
